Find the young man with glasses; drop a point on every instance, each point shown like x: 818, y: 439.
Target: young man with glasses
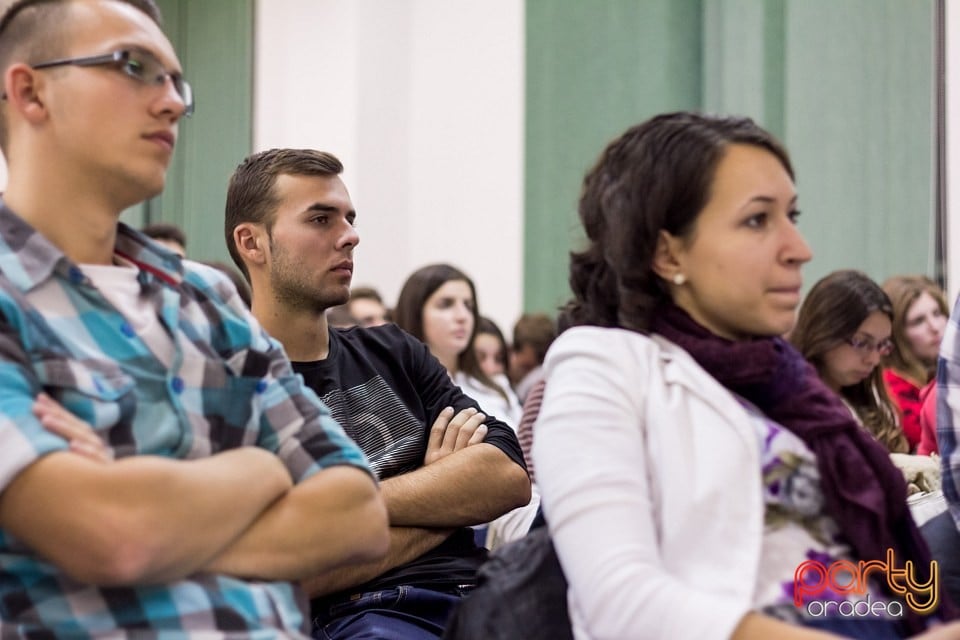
x: 442, y: 465
x: 163, y: 470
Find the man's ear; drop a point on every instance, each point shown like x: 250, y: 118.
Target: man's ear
x: 667, y: 262
x: 22, y: 88
x: 251, y: 243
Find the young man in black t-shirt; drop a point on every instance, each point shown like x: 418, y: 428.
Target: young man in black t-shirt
x: 442, y: 464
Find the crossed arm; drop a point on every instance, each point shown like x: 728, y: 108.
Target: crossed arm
x: 459, y: 485
x: 148, y: 519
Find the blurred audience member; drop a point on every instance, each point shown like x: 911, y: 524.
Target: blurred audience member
x: 532, y: 336
x: 843, y: 330
x: 169, y: 235
x: 919, y: 320
x: 367, y: 308
x: 491, y: 347
x: 438, y: 305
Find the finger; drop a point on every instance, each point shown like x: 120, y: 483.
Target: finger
x: 57, y: 419
x: 438, y: 429
x: 95, y: 452
x: 478, y: 436
x: 452, y: 436
x: 70, y: 429
x: 468, y: 430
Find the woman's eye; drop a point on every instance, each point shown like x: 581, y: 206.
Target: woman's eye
x: 757, y: 220
x: 794, y: 216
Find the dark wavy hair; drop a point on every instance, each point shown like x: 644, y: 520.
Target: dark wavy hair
x: 831, y: 313
x: 655, y: 177
x: 408, y: 314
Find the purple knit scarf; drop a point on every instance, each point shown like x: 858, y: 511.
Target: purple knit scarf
x: 863, y: 491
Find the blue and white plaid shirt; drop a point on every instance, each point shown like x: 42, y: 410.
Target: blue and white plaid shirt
x: 229, y: 385
x: 948, y: 408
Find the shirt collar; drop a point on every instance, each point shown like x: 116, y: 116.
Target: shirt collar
x: 28, y: 258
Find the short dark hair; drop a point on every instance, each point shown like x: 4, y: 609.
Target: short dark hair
x: 655, y: 177
x: 830, y: 315
x: 538, y: 330
x: 251, y: 194
x: 35, y: 30
x: 166, y: 231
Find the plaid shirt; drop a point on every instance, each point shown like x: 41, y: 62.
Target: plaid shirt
x: 229, y: 385
x: 948, y: 410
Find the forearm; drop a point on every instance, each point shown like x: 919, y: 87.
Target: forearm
x: 406, y: 544
x: 142, y: 519
x: 333, y: 518
x: 471, y: 486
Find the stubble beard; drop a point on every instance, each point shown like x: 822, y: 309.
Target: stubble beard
x: 294, y: 290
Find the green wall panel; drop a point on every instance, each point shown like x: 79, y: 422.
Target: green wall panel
x: 859, y: 107
x: 847, y: 84
x: 593, y: 69
x: 214, y: 39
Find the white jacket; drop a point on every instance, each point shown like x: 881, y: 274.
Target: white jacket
x: 650, y: 476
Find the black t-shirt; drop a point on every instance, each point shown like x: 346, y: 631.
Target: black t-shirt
x: 385, y: 389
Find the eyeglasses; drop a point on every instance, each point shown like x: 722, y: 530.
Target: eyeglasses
x: 142, y: 66
x: 866, y: 346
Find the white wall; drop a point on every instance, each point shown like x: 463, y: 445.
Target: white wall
x: 953, y: 148
x: 423, y: 102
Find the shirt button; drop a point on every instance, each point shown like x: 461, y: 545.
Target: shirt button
x: 127, y: 330
x: 76, y: 276
x: 261, y: 386
x: 177, y: 384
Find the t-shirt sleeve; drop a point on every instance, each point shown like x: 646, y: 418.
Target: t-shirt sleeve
x: 439, y: 391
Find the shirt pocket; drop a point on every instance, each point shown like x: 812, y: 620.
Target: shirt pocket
x: 97, y: 392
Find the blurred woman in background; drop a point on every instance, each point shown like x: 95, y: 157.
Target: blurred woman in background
x: 438, y: 305
x: 844, y: 330
x: 920, y: 315
x: 491, y: 348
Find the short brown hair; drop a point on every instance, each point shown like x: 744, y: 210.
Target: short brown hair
x: 538, y: 330
x: 251, y: 194
x: 36, y: 30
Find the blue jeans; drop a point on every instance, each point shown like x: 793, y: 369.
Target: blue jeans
x: 402, y: 613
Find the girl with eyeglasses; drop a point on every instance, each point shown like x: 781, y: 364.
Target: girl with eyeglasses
x: 843, y: 329
x: 920, y: 315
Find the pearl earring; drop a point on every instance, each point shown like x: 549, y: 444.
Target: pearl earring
x: 679, y: 279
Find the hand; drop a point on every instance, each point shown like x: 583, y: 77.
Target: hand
x: 81, y: 436
x: 451, y: 433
